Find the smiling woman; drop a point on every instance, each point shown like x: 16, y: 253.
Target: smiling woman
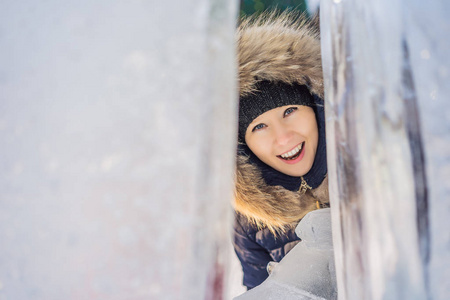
x: 281, y: 163
x: 285, y: 138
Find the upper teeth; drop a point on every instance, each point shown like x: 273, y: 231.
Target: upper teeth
x: 292, y: 152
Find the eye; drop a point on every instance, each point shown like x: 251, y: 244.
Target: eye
x: 289, y: 111
x: 258, y: 127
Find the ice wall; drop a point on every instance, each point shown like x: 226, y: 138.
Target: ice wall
x: 386, y: 68
x: 116, y: 148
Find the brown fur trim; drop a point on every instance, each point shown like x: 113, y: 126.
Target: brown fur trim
x: 284, y: 47
x: 321, y: 192
x: 272, y: 206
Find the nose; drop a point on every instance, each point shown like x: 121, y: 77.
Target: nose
x: 283, y: 135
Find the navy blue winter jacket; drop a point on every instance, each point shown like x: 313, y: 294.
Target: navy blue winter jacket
x: 256, y: 248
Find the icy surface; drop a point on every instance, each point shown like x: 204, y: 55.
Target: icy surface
x: 388, y: 121
x: 426, y: 33
x: 307, y: 271
x: 116, y: 148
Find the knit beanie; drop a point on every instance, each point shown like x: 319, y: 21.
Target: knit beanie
x: 269, y: 95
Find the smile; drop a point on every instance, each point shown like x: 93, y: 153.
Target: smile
x: 293, y: 154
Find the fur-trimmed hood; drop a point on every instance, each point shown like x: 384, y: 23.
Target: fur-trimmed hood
x: 276, y: 47
x: 284, y: 47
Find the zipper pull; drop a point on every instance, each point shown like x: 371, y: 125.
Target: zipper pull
x: 304, y: 186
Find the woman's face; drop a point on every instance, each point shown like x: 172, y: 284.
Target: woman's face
x: 285, y: 138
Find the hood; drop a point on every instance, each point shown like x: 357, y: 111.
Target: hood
x: 279, y: 47
x: 276, y: 47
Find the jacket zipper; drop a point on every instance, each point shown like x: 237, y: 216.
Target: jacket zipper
x: 304, y: 186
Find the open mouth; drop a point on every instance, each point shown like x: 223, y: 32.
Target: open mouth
x: 293, y: 154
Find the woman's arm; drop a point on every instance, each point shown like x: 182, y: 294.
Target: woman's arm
x: 253, y: 257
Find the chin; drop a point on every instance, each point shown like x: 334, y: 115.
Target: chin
x: 295, y: 173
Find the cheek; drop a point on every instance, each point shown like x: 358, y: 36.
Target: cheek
x: 308, y: 126
x: 259, y: 147
x: 314, y: 136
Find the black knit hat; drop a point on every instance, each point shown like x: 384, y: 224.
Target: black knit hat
x: 269, y: 95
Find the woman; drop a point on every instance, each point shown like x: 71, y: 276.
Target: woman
x: 281, y: 163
